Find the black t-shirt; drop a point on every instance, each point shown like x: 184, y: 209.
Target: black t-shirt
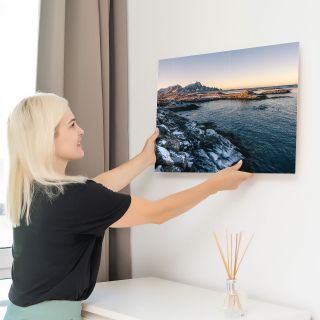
x: 57, y: 256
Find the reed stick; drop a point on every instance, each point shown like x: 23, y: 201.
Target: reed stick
x: 231, y: 254
x: 235, y: 257
x: 227, y: 242
x: 244, y: 253
x: 222, y: 255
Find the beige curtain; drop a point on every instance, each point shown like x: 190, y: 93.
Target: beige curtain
x: 82, y: 56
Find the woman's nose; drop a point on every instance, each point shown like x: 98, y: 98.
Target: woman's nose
x: 81, y: 131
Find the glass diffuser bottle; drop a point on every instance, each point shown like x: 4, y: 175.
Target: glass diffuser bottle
x: 235, y: 301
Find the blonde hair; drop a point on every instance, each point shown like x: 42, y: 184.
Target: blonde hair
x: 31, y: 129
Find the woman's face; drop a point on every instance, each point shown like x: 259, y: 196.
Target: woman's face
x: 67, y: 139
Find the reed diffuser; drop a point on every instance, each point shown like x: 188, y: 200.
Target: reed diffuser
x: 234, y: 304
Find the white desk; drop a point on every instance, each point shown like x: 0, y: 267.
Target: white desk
x: 158, y: 299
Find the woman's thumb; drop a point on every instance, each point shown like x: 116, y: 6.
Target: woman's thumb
x: 154, y: 135
x: 237, y: 166
x: 156, y: 132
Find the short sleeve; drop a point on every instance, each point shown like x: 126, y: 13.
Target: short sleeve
x: 96, y: 208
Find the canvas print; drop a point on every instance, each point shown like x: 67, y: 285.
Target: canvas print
x: 215, y: 109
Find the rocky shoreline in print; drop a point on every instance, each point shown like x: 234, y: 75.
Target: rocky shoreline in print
x: 187, y: 146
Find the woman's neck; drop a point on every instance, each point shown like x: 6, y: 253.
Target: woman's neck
x: 60, y: 166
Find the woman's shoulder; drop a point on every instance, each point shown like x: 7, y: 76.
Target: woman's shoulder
x: 80, y: 186
x: 53, y: 192
x: 72, y: 193
x: 85, y: 190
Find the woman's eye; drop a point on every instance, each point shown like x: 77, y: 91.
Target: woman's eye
x: 73, y: 124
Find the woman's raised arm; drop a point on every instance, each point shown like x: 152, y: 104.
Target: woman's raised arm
x: 143, y: 211
x: 119, y: 177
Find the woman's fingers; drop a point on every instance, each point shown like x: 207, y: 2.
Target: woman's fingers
x: 154, y: 135
x: 246, y: 175
x: 237, y: 166
x: 242, y: 175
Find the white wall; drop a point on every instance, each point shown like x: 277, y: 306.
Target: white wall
x: 283, y: 263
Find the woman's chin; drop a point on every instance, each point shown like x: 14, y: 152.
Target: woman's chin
x: 80, y: 150
x: 80, y: 154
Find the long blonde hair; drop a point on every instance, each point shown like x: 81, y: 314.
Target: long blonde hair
x: 31, y: 129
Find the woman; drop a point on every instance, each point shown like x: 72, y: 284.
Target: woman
x: 59, y: 220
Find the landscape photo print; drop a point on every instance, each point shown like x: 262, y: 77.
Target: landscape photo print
x: 218, y: 108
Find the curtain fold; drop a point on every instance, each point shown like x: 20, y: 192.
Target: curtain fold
x: 81, y: 47
x: 120, y: 249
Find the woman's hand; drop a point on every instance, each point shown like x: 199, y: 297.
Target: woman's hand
x: 229, y: 178
x: 119, y: 177
x: 148, y: 151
